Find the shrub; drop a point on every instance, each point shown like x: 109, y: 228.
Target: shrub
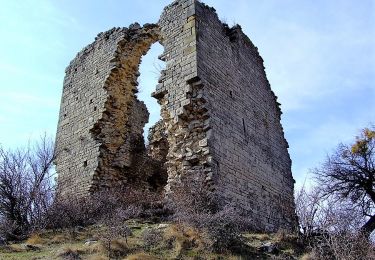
x: 195, y: 205
x: 224, y: 228
x: 115, y: 234
x: 342, y: 246
x: 121, y: 204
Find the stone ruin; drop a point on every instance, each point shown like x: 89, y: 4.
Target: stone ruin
x: 220, y: 118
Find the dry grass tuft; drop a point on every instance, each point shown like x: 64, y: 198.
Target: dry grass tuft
x: 70, y: 253
x: 119, y: 247
x: 35, y: 239
x: 14, y: 248
x: 288, y: 243
x: 141, y: 256
x: 260, y: 237
x: 182, y: 238
x: 94, y: 248
x: 307, y: 256
x: 97, y: 257
x: 60, y: 238
x: 284, y: 236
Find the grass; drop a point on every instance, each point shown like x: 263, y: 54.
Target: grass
x: 172, y: 242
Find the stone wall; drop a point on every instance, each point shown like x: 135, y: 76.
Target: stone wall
x: 253, y: 167
x: 101, y: 122
x: 220, y: 119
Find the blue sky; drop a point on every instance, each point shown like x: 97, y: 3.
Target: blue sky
x: 319, y: 58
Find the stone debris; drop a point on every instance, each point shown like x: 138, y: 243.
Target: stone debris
x: 269, y: 247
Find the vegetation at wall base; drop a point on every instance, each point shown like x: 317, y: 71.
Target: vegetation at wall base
x: 134, y: 223
x: 146, y: 241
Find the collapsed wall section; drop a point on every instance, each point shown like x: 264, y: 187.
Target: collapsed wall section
x: 179, y: 93
x: 250, y: 156
x: 100, y: 131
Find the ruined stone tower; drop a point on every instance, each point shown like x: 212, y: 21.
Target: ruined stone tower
x: 220, y: 118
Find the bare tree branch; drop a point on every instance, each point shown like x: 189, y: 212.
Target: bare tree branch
x: 349, y: 174
x: 26, y: 187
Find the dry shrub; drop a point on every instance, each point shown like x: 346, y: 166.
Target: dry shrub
x: 204, y: 210
x: 342, y: 246
x: 151, y: 238
x: 224, y: 228
x: 72, y: 212
x: 142, y: 204
x: 191, y: 197
x: 112, y: 246
x: 130, y: 203
x: 115, y: 233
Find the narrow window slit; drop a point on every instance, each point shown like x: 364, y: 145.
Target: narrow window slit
x: 244, y: 130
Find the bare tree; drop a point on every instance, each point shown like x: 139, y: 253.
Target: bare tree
x: 349, y: 174
x: 319, y: 214
x: 330, y: 226
x: 26, y: 187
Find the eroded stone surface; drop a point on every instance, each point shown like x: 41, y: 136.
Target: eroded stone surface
x: 100, y: 132
x: 220, y: 119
